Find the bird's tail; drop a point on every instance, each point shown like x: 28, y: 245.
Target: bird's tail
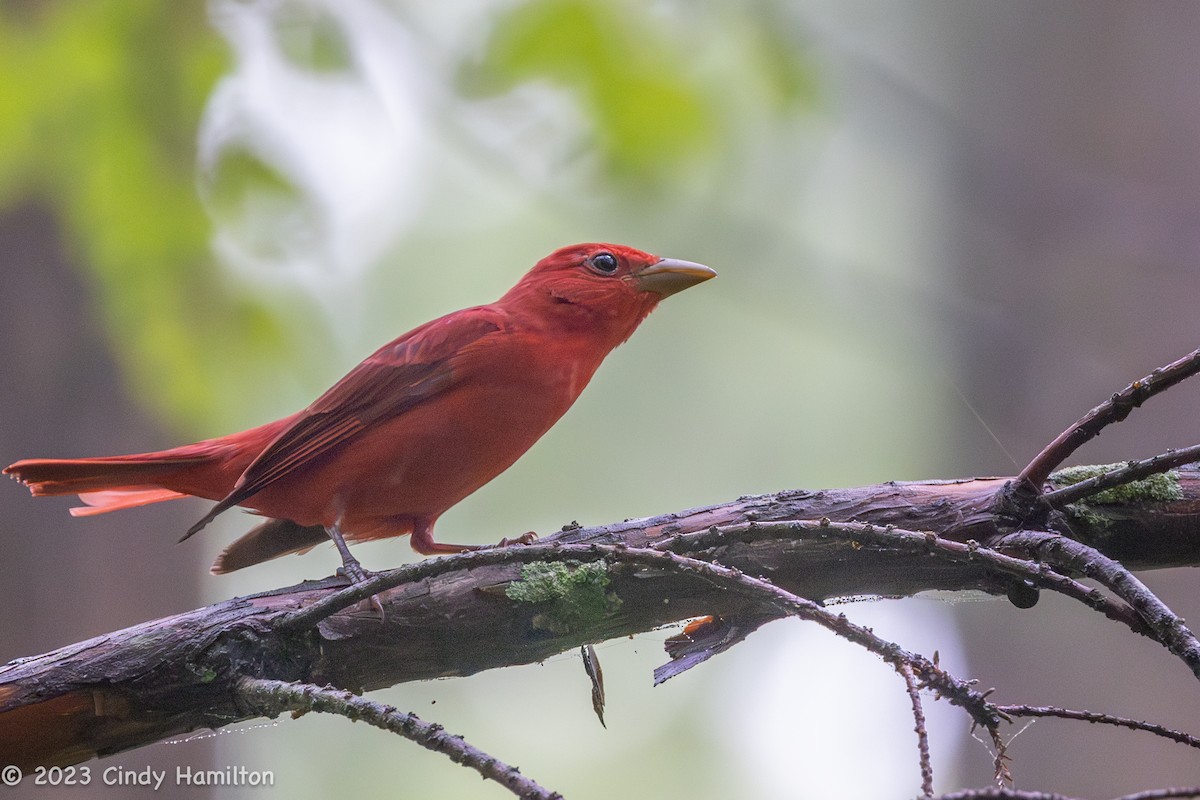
x: 204, y: 469
x: 207, y: 469
x: 272, y: 539
x: 107, y: 484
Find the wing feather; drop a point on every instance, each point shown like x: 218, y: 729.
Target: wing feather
x: 400, y: 375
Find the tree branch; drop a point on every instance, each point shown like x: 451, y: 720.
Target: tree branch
x: 453, y: 616
x: 1002, y: 793
x: 914, y: 697
x: 271, y: 698
x: 1101, y: 719
x: 1114, y: 409
x: 1167, y: 626
x: 737, y: 565
x: 1121, y: 476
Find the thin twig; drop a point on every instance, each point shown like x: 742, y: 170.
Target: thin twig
x: 930, y: 675
x: 1037, y: 574
x: 1102, y: 719
x: 378, y: 582
x: 1132, y: 471
x: 1002, y: 793
x: 918, y: 669
x: 1168, y: 627
x: 914, y: 696
x: 958, y: 692
x: 1114, y: 409
x: 1000, y: 771
x: 270, y: 698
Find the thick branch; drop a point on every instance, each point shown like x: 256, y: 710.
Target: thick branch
x: 455, y: 616
x: 1001, y: 793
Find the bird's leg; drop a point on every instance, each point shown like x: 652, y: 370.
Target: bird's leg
x: 351, y: 569
x: 422, y: 541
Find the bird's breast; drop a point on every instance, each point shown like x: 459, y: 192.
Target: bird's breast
x: 423, y: 461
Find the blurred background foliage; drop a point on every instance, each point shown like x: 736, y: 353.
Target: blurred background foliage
x: 101, y: 107
x: 939, y: 235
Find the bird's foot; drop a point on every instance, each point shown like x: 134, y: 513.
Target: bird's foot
x: 424, y: 544
x: 353, y: 572
x: 529, y: 537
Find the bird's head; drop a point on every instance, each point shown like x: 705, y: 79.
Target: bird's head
x: 603, y: 284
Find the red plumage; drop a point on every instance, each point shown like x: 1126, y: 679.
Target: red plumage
x: 420, y: 424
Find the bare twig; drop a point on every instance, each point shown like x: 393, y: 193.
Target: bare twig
x: 937, y: 546
x: 930, y: 675
x: 916, y: 669
x: 1168, y: 627
x: 1000, y: 771
x: 271, y: 698
x: 914, y: 696
x: 1102, y: 719
x: 1115, y: 409
x: 329, y: 605
x: 1002, y: 793
x: 262, y: 635
x: 958, y: 692
x: 1132, y: 471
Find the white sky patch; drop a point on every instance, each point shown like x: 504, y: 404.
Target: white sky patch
x: 350, y: 141
x: 807, y: 714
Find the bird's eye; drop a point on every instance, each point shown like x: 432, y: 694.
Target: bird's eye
x: 604, y: 263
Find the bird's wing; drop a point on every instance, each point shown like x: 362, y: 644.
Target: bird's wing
x: 398, y: 376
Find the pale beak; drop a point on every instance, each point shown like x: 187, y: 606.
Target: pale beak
x: 670, y: 275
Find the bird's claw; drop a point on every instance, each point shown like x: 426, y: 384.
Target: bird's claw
x: 354, y: 573
x: 529, y: 537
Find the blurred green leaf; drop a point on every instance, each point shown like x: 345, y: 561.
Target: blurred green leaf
x: 648, y: 113
x: 656, y: 102
x: 107, y: 97
x: 254, y: 202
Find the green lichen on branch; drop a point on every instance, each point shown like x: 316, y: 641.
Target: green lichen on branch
x: 1161, y: 488
x: 574, y: 594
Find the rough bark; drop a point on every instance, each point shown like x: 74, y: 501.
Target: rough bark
x: 456, y: 616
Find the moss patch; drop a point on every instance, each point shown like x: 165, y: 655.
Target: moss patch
x: 1095, y: 522
x: 574, y: 594
x: 1156, y: 488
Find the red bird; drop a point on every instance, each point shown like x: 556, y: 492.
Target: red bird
x: 420, y: 424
